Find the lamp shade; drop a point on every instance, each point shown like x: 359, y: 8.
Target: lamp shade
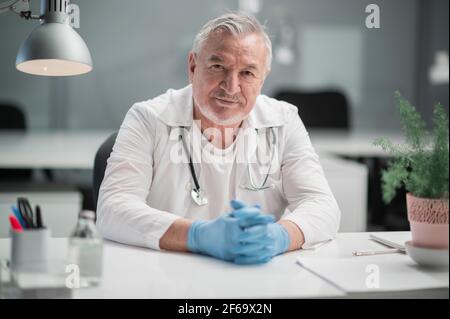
x: 54, y: 49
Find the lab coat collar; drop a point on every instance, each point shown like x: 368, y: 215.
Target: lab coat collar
x: 266, y: 113
x: 175, y: 108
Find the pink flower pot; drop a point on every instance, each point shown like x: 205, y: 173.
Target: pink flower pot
x: 428, y: 219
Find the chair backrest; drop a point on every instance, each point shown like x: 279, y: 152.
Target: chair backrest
x: 324, y: 109
x: 13, y: 118
x: 101, y: 158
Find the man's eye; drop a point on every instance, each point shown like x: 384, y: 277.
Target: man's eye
x: 249, y: 74
x: 217, y: 67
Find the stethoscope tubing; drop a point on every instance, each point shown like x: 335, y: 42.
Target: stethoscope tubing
x: 252, y: 186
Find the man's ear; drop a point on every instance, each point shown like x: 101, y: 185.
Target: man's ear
x: 267, y: 73
x: 191, y: 65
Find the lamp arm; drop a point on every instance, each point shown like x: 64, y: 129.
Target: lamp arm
x: 19, y: 7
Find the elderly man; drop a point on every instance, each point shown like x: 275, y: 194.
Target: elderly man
x: 222, y: 201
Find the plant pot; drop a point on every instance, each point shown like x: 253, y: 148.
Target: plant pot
x: 428, y: 219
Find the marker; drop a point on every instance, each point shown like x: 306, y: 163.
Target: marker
x: 15, y: 225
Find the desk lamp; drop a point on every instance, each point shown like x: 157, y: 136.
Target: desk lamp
x: 53, y: 48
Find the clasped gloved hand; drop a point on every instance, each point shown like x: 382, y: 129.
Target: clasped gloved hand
x: 271, y: 239
x: 273, y: 236
x: 220, y: 237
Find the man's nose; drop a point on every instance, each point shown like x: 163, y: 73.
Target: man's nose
x: 231, y: 84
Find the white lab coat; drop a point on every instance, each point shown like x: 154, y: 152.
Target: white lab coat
x: 144, y: 191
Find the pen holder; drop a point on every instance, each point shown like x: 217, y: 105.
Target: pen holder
x: 29, y: 250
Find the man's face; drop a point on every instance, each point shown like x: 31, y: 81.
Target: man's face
x: 227, y: 76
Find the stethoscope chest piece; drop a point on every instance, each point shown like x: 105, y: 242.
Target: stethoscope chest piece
x: 199, y: 197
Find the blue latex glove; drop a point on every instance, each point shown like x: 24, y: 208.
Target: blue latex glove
x: 242, y: 212
x: 220, y: 237
x: 272, y: 238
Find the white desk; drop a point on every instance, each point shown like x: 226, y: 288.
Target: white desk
x: 348, y: 181
x: 131, y: 272
x: 76, y: 150
x: 355, y: 144
x: 52, y: 150
x: 47, y: 150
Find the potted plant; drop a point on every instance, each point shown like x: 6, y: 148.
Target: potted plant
x: 421, y: 166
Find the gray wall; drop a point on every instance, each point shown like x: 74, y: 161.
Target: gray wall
x: 140, y: 48
x: 433, y: 35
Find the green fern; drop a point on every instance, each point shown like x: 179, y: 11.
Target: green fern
x: 421, y: 164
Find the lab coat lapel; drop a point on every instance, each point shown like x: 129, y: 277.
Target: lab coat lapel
x: 262, y: 117
x: 246, y: 152
x: 175, y: 109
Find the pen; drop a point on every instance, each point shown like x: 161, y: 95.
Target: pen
x: 377, y: 252
x: 15, y: 225
x: 26, y: 211
x: 39, y: 223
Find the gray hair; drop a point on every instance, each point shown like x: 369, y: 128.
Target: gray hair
x: 236, y: 24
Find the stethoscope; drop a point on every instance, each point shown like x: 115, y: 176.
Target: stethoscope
x: 197, y: 194
x: 253, y: 187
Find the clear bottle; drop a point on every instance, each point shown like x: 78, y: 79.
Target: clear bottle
x: 86, y: 250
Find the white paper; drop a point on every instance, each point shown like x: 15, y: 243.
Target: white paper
x: 393, y: 272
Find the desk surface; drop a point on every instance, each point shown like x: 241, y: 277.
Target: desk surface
x: 132, y: 272
x: 53, y: 150
x: 355, y: 144
x: 76, y: 150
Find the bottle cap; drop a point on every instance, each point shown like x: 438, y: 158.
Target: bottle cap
x: 87, y: 214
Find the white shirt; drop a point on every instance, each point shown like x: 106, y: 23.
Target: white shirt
x: 216, y: 165
x: 147, y: 185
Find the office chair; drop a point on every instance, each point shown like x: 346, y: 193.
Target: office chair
x: 13, y: 118
x: 321, y: 109
x: 101, y: 157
